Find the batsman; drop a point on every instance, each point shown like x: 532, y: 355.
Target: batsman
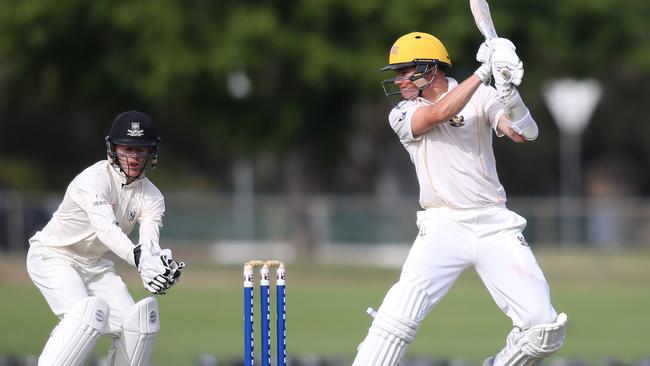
x: 446, y: 128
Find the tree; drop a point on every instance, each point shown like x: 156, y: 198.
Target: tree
x: 67, y: 67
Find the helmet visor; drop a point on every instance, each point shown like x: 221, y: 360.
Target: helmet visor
x: 398, y: 89
x: 133, y: 160
x: 408, y: 83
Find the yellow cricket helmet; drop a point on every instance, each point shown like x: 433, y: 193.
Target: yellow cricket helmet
x: 417, y: 48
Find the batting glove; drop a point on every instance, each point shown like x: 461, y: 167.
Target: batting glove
x: 483, y: 55
x: 507, y: 68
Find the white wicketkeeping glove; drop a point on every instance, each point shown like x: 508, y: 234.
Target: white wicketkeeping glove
x: 507, y: 68
x: 159, y: 271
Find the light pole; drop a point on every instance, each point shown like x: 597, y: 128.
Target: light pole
x: 243, y: 172
x: 571, y: 103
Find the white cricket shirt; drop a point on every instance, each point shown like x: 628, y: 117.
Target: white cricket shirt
x: 454, y: 161
x: 97, y: 213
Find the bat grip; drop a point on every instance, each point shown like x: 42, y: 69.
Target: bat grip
x: 487, y: 30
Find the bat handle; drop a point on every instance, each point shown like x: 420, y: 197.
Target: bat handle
x: 487, y: 30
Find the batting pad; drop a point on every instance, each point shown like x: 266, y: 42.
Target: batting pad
x: 75, y: 336
x: 529, y: 347
x: 394, y: 327
x: 134, y: 345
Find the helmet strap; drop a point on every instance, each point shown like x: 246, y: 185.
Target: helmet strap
x: 419, y: 77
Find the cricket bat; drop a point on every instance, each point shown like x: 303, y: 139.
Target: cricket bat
x: 483, y: 18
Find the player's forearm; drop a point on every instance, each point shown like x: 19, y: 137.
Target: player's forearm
x: 521, y: 121
x: 504, y: 127
x: 457, y: 99
x: 102, y: 220
x: 446, y: 108
x: 149, y: 235
x: 115, y: 240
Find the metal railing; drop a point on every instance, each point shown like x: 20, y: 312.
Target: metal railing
x: 194, y: 219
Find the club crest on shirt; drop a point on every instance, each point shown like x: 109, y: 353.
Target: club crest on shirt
x: 402, y: 117
x: 522, y: 240
x: 457, y: 121
x: 131, y: 215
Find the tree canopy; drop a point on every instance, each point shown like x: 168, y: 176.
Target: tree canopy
x: 270, y: 80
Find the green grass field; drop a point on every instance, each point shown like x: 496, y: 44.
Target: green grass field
x: 607, y: 298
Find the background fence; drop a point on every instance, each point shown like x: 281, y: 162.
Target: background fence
x: 330, y: 226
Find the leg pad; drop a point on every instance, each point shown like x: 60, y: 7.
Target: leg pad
x: 134, y: 345
x: 394, y: 327
x: 528, y: 347
x: 76, y: 335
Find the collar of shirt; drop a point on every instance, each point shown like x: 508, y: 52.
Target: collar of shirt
x: 119, y: 177
x: 451, y: 84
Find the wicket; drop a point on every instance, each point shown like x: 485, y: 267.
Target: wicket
x: 265, y: 312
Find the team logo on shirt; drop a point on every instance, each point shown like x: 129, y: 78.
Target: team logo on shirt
x: 153, y: 316
x: 99, y: 316
x: 99, y: 200
x: 131, y: 215
x: 135, y: 130
x: 522, y: 240
x: 457, y: 121
x: 402, y: 117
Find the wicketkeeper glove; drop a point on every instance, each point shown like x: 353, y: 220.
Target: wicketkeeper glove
x: 175, y: 270
x: 159, y: 272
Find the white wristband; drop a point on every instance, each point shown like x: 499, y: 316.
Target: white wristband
x: 484, y: 72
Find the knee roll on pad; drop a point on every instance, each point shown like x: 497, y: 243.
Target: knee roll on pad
x: 402, y: 310
x: 533, y: 344
x: 394, y: 327
x: 76, y: 335
x: 134, y: 345
x: 395, y: 324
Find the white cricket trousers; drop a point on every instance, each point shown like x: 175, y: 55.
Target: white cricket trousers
x: 489, y: 239
x: 64, y: 280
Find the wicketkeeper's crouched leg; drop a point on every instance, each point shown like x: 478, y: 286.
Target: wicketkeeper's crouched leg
x: 394, y: 327
x: 75, y: 336
x: 135, y: 342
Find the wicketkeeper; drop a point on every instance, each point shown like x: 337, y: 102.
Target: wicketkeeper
x: 101, y: 206
x: 446, y: 127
